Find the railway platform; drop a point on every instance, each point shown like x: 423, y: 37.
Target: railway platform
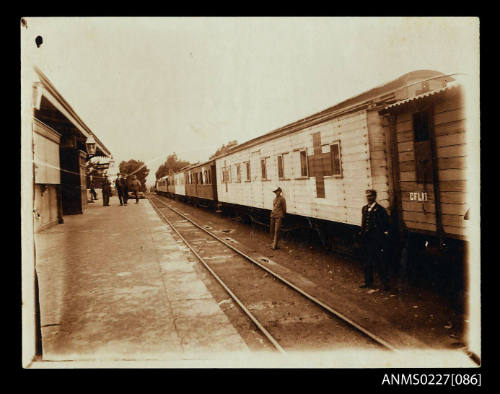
x: 114, y: 284
x: 118, y: 287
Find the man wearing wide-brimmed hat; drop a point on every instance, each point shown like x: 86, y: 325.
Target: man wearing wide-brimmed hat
x: 277, y: 214
x: 374, y: 235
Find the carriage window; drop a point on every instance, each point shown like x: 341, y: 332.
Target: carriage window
x: 423, y: 153
x: 421, y: 126
x: 281, y: 169
x: 335, y: 159
x: 303, y: 163
x: 263, y: 166
x: 248, y: 170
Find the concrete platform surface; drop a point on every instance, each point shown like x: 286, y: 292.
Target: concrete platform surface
x: 115, y: 284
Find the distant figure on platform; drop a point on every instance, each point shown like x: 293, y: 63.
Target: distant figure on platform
x: 106, y: 192
x: 125, y: 190
x: 277, y: 214
x: 374, y: 235
x: 121, y: 189
x: 135, y: 187
x: 93, y: 193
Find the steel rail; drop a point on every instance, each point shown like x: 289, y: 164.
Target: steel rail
x: 326, y: 307
x: 233, y: 296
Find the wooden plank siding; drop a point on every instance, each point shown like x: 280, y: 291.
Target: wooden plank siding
x: 341, y: 193
x: 379, y: 175
x: 180, y: 187
x: 451, y: 157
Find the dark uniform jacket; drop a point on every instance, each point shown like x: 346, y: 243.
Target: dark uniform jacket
x: 121, y: 185
x: 135, y: 185
x: 279, y: 207
x: 106, y: 187
x: 375, y: 223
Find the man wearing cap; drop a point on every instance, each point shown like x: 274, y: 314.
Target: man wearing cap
x: 279, y: 210
x: 125, y: 189
x: 106, y: 191
x: 374, y: 234
x: 121, y: 189
x: 135, y: 187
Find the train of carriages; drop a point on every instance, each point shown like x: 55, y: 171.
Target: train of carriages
x: 406, y: 139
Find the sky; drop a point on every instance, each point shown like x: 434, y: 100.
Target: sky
x: 148, y: 87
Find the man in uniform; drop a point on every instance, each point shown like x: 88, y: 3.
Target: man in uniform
x: 120, y: 188
x: 106, y: 192
x: 135, y: 186
x: 279, y: 210
x: 125, y: 190
x: 375, y: 237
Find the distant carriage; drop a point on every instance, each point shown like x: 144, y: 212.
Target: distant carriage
x: 406, y: 139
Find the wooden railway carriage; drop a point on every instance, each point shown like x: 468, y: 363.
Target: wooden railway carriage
x: 405, y: 139
x: 170, y: 185
x: 323, y: 163
x: 179, y: 185
x: 428, y: 141
x: 165, y: 186
x: 200, y: 183
x: 161, y: 185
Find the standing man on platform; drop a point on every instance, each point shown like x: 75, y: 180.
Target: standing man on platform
x: 374, y: 235
x: 277, y: 214
x: 135, y: 186
x: 106, y: 191
x: 120, y: 187
x: 125, y: 190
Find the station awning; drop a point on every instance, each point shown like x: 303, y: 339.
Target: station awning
x: 51, y: 108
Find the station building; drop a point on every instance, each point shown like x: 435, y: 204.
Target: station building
x: 62, y: 144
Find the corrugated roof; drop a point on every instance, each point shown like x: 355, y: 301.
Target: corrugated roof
x: 451, y: 86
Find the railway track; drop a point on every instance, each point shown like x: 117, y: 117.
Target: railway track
x: 289, y: 317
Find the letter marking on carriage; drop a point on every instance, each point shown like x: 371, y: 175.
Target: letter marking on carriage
x: 418, y: 196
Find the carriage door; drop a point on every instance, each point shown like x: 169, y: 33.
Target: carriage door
x: 213, y: 181
x: 417, y: 170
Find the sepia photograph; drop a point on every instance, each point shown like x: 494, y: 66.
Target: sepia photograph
x: 251, y: 192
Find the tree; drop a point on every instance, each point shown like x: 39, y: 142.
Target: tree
x: 224, y: 148
x: 172, y: 164
x: 137, y: 168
